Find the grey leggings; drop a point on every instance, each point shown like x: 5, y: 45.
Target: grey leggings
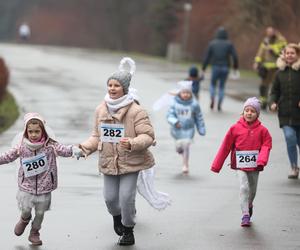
x: 40, y: 203
x: 119, y: 194
x: 248, y: 185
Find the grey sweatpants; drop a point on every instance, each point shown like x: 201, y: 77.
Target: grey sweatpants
x: 119, y: 195
x: 248, y: 185
x: 41, y: 203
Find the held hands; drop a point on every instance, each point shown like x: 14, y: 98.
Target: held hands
x: 124, y: 142
x: 77, y: 152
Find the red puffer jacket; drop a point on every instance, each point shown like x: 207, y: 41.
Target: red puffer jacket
x: 244, y: 137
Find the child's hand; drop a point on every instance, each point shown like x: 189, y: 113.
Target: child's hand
x: 273, y: 106
x: 177, y: 125
x: 77, y: 152
x: 124, y: 142
x: 260, y: 168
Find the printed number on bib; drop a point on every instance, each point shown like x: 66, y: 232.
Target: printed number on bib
x: 246, y: 159
x: 184, y: 113
x: 111, y: 132
x: 35, y: 165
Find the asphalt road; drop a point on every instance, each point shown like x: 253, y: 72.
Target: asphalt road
x: 65, y: 85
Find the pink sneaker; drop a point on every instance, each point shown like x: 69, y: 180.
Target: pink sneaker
x: 246, y: 221
x: 20, y: 226
x: 34, y: 237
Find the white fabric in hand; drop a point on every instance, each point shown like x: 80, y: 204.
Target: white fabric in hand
x: 77, y: 152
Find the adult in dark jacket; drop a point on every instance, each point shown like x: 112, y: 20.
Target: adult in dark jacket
x: 285, y: 97
x: 219, y: 54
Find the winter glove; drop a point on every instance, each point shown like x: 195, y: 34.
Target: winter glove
x: 77, y: 152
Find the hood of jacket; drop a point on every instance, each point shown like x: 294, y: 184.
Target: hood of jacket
x: 281, y: 64
x: 221, y: 33
x: 29, y: 116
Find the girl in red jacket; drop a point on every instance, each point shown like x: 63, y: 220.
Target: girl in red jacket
x: 249, y: 143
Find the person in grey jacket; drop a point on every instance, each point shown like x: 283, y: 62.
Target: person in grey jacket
x: 219, y: 54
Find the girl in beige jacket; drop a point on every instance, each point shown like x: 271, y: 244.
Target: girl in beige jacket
x: 122, y: 134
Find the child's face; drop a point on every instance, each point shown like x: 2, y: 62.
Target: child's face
x: 115, y: 89
x: 250, y: 114
x: 185, y: 95
x: 34, y: 132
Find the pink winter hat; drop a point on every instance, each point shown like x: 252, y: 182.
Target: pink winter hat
x: 253, y: 102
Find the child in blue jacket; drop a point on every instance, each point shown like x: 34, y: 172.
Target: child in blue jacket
x: 183, y: 115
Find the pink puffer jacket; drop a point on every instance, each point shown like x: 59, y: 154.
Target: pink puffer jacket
x: 44, y: 182
x: 242, y: 136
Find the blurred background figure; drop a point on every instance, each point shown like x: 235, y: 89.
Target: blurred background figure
x: 265, y: 61
x: 4, y: 77
x: 194, y: 77
x: 24, y: 32
x: 219, y: 54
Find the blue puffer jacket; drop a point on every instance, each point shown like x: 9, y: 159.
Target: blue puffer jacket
x: 188, y: 114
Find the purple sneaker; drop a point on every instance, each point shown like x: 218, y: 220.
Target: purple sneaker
x: 246, y: 221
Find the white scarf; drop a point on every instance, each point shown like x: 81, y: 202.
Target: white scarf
x: 115, y: 104
x: 33, y: 146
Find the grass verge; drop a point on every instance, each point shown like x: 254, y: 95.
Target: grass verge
x: 9, y: 111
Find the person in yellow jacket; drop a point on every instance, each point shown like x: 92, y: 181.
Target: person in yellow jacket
x: 265, y: 61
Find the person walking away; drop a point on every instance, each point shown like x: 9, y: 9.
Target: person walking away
x: 219, y: 54
x: 24, y: 32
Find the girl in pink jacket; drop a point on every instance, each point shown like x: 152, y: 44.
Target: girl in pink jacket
x: 249, y: 143
x: 37, y: 174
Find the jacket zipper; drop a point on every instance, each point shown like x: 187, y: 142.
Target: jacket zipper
x: 36, y: 178
x: 290, y: 99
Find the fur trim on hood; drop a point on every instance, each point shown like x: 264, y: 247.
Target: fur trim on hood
x: 281, y: 63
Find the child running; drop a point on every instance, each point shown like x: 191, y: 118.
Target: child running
x: 249, y: 143
x: 183, y: 115
x: 37, y: 174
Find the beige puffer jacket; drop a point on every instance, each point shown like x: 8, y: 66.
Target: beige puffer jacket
x: 114, y: 159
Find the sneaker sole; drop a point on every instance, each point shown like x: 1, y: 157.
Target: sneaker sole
x: 245, y: 225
